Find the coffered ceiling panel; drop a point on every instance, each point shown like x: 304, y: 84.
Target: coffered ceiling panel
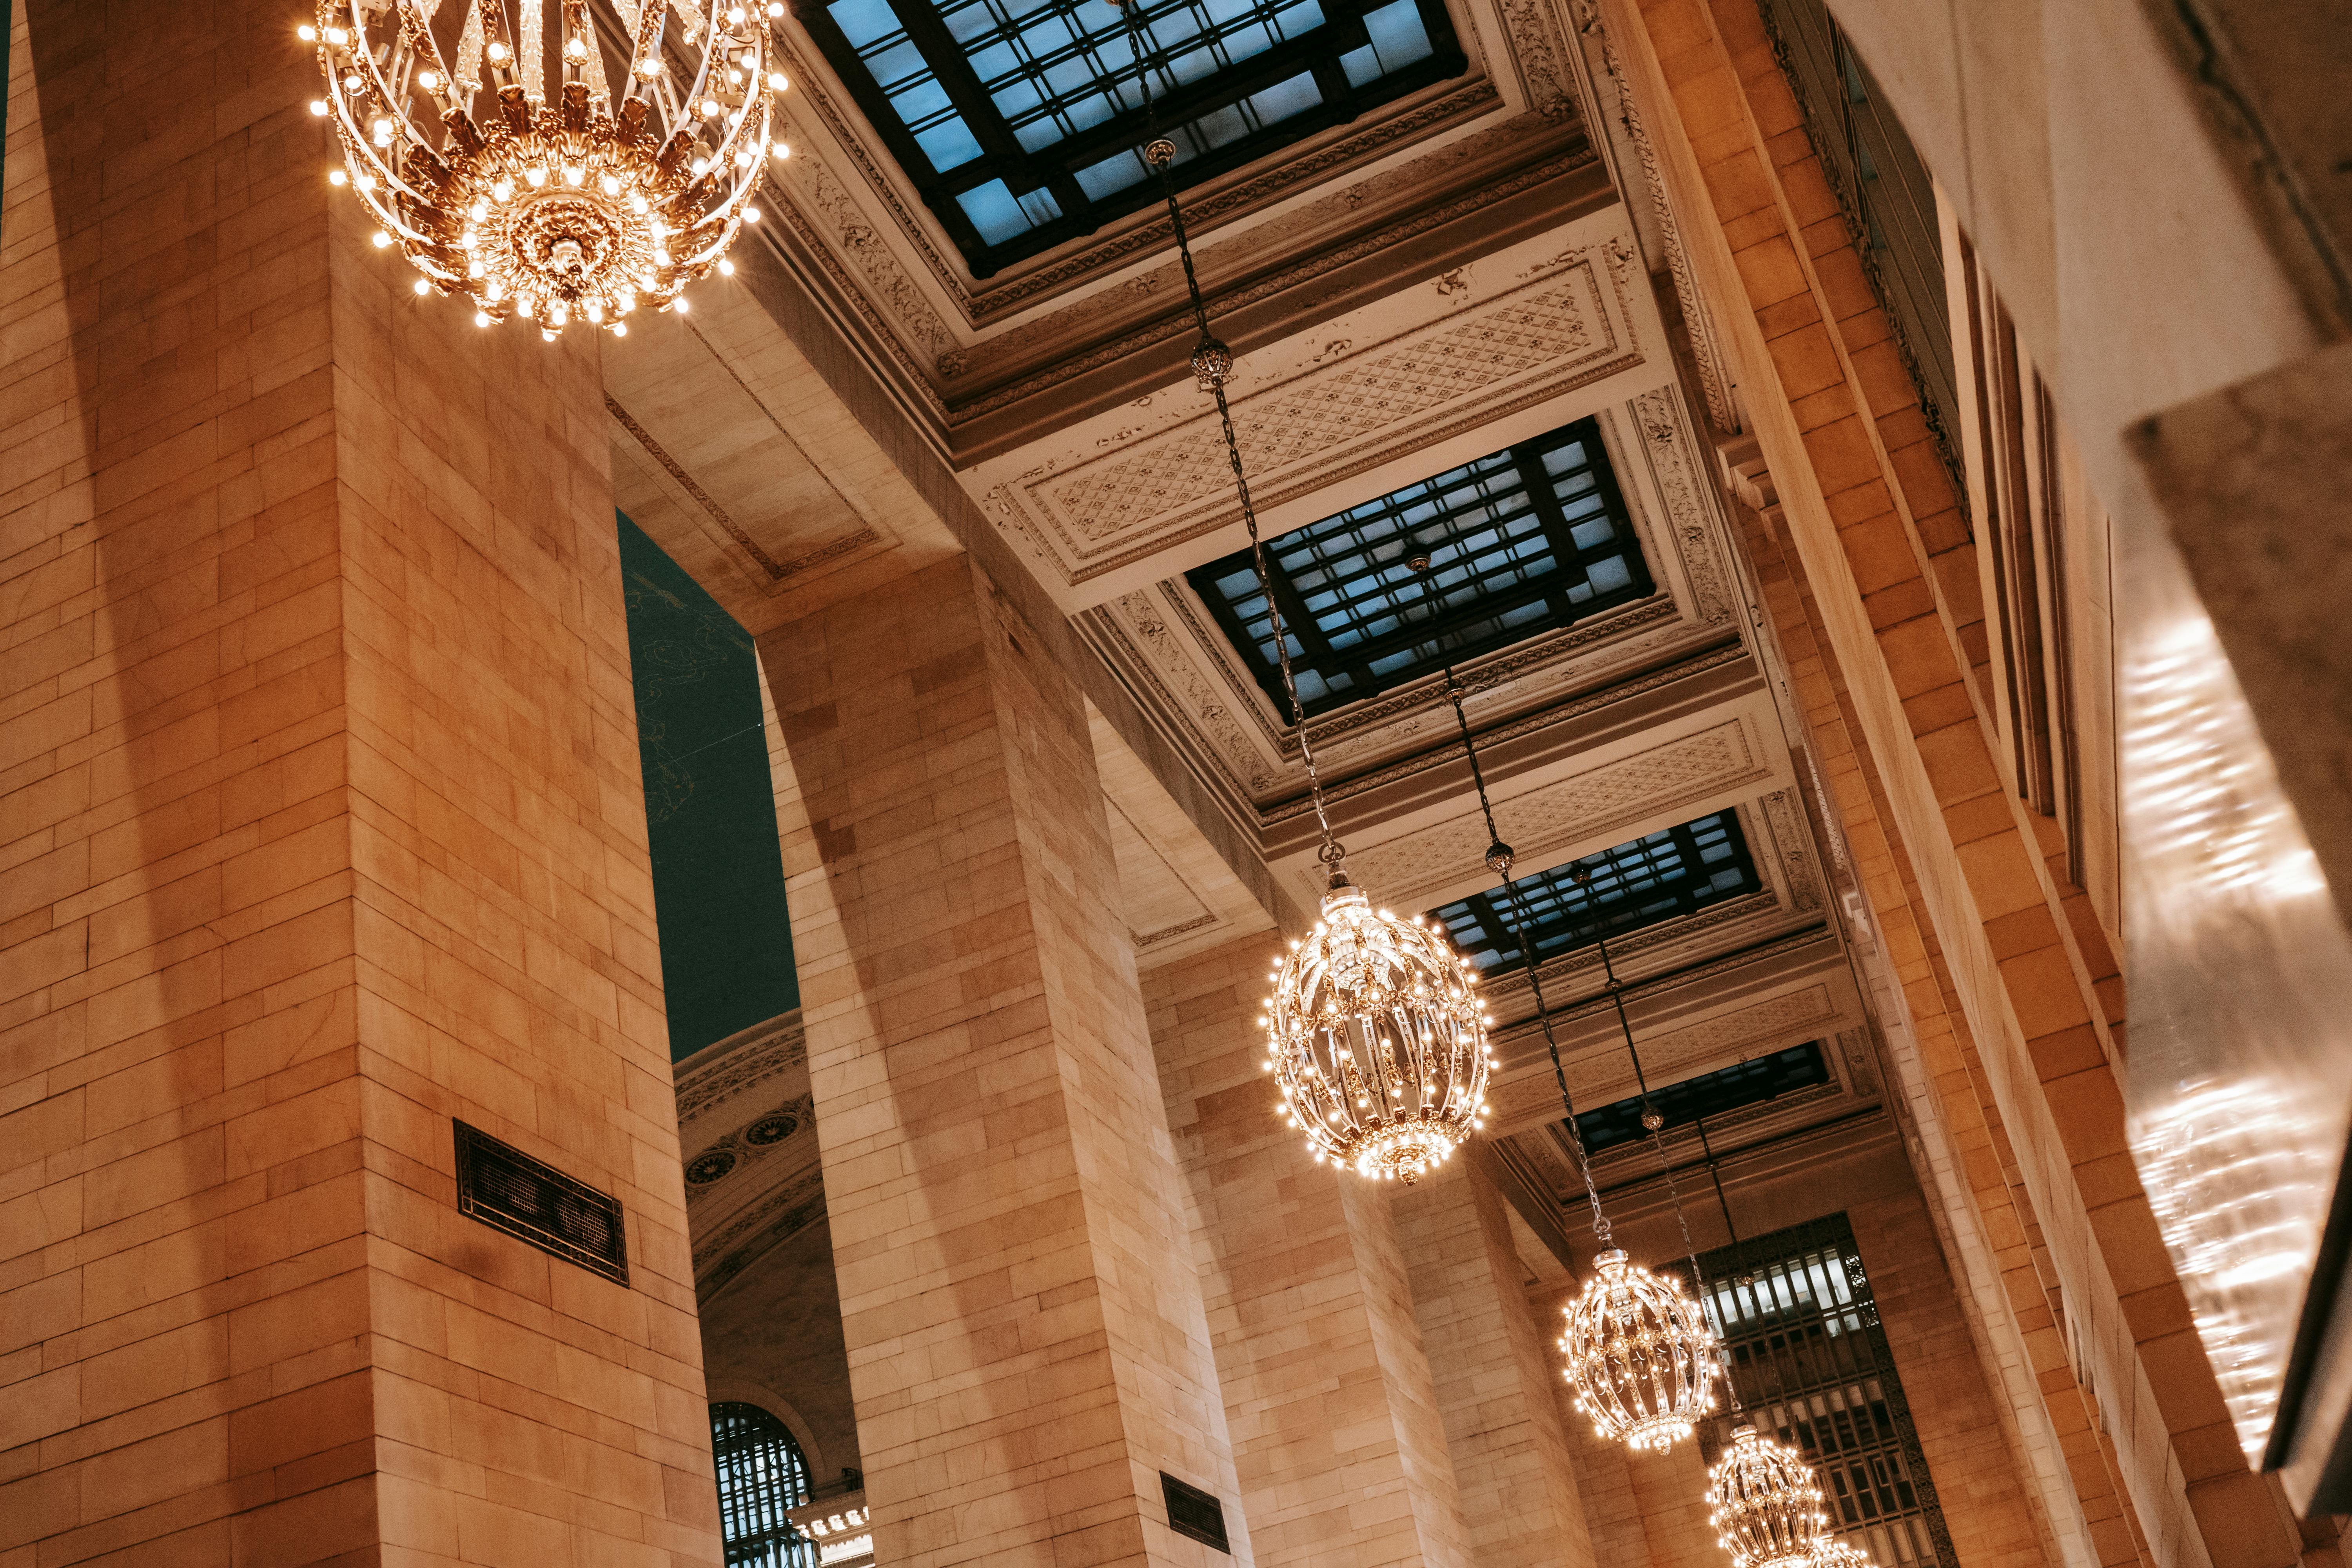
x: 1426, y: 379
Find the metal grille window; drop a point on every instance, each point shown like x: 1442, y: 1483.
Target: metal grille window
x: 760, y: 1475
x: 1021, y: 122
x: 1888, y: 198
x: 1676, y: 871
x: 1748, y: 1083
x: 1812, y: 1367
x: 1525, y: 539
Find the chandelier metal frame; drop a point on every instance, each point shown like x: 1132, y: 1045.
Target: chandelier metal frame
x: 566, y: 201
x: 1375, y: 1031
x: 1766, y: 1503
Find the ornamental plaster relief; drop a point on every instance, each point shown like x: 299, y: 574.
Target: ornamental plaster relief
x: 1162, y: 640
x: 1600, y: 1072
x: 1364, y: 392
x: 747, y: 1120
x: 1547, y: 824
x: 869, y: 226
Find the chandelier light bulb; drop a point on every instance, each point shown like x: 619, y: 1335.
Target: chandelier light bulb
x: 516, y: 182
x: 1377, y: 1039
x: 1766, y: 1506
x: 1640, y: 1355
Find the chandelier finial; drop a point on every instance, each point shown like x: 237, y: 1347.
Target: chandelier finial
x: 529, y: 185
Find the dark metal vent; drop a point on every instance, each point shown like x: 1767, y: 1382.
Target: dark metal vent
x: 1195, y: 1513
x: 508, y: 1190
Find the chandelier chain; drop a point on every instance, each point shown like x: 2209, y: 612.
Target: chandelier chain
x: 1331, y: 854
x: 1497, y: 849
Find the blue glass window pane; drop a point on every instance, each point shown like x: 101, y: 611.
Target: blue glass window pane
x: 994, y: 213
x: 862, y: 21
x: 1658, y: 877
x: 1506, y: 563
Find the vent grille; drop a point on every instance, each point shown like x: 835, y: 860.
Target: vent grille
x: 1195, y: 1513
x: 532, y: 1201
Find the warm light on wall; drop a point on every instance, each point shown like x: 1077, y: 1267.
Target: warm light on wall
x: 2239, y: 1071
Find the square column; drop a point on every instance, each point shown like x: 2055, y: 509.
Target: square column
x: 322, y: 830
x: 1494, y: 1371
x: 1337, y: 1434
x: 1028, y: 1353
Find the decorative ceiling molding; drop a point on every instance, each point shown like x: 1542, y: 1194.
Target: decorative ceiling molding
x: 1543, y: 824
x: 1338, y: 407
x: 712, y: 1077
x: 1185, y: 672
x: 1601, y: 1073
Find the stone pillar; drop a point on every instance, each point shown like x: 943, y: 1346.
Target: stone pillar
x: 1337, y: 1433
x: 1027, y: 1348
x: 1876, y: 532
x: 322, y: 827
x: 1494, y: 1371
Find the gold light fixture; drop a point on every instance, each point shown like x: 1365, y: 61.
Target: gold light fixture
x: 1766, y: 1507
x: 1378, y: 1038
x: 1640, y: 1355
x: 566, y: 201
x: 1374, y: 1031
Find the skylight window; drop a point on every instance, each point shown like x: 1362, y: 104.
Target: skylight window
x: 1659, y: 876
x: 1022, y: 122
x: 1525, y: 539
x: 1751, y: 1083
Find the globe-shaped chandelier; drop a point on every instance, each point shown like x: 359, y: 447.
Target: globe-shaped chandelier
x: 1766, y: 1507
x: 1640, y: 1355
x: 490, y: 142
x: 1378, y: 1038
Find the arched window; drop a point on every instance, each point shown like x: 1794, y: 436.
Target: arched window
x: 761, y: 1474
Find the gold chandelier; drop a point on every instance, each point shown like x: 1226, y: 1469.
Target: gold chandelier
x: 564, y: 201
x: 1378, y: 1038
x: 1374, y: 1031
x: 1767, y: 1506
x: 1640, y: 1355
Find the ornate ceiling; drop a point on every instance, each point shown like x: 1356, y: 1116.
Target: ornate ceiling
x: 1452, y: 273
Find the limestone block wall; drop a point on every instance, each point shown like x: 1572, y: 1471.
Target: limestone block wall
x: 322, y: 827
x: 1873, y: 525
x: 1493, y: 1371
x: 1026, y: 1343
x: 1338, y: 1440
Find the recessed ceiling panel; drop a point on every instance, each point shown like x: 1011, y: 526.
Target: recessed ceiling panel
x: 1751, y: 1083
x: 1532, y: 537
x: 1658, y: 877
x: 1021, y: 122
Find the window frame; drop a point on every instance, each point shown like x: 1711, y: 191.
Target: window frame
x: 1854, y: 1325
x: 1679, y: 1102
x: 1492, y: 908
x: 1054, y: 167
x: 770, y: 1540
x: 1314, y: 649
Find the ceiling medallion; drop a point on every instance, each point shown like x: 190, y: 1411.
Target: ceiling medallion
x: 566, y: 203
x: 1768, y: 1507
